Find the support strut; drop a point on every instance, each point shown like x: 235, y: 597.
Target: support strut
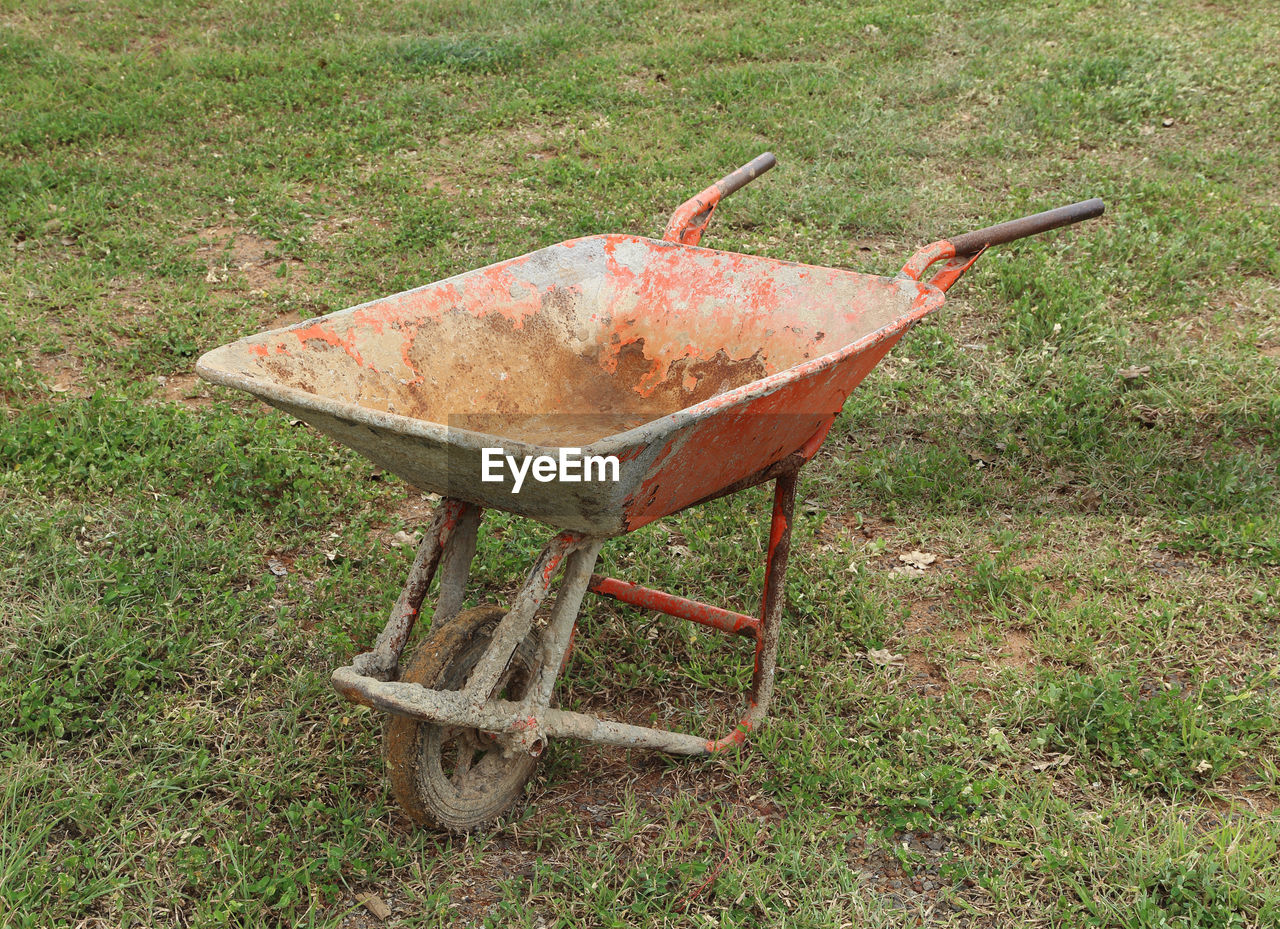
x: 525, y: 725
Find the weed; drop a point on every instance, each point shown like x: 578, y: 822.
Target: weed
x: 1156, y: 735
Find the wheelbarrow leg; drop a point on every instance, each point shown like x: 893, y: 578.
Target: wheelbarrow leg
x: 515, y: 626
x: 451, y: 536
x: 762, y: 678
x: 564, y: 618
x: 553, y: 649
x: 763, y: 628
x: 455, y: 566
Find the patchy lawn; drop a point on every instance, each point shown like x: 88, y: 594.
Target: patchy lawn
x: 1068, y: 717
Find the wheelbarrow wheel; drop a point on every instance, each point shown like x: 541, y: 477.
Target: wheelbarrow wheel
x: 453, y: 777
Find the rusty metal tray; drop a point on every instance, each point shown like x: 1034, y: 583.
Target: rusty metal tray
x: 695, y: 367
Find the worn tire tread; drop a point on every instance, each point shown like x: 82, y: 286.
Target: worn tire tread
x: 403, y: 736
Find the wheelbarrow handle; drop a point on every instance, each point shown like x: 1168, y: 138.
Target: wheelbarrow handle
x: 739, y: 179
x: 962, y: 251
x: 976, y: 241
x: 689, y: 221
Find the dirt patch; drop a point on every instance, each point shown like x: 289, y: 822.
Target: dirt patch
x: 926, y: 676
x: 284, y: 320
x: 927, y: 617
x: 920, y: 886
x: 63, y: 371
x: 923, y: 625
x: 470, y: 159
x: 1016, y: 651
x: 409, y: 518
x: 186, y: 389
x: 868, y: 527
x: 1249, y: 792
x: 227, y: 252
x: 440, y: 182
x: 643, y: 81
x: 333, y: 227
x: 1013, y: 649
x: 418, y: 509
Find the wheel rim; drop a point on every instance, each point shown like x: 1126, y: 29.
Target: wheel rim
x: 456, y: 777
x: 466, y: 766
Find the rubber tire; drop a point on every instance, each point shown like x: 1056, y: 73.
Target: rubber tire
x: 415, y: 751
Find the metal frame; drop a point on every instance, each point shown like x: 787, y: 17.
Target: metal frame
x: 449, y: 545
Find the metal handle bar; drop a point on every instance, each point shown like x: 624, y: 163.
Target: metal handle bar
x: 962, y: 251
x: 739, y: 179
x: 689, y: 221
x: 1000, y: 233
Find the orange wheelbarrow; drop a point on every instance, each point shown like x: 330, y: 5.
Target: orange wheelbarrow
x: 595, y: 386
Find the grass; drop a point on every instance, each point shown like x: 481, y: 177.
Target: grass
x: 1085, y: 730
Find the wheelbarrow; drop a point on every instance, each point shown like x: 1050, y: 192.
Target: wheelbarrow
x: 675, y: 374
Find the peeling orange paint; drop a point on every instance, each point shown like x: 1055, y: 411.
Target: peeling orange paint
x: 329, y: 337
x: 733, y: 356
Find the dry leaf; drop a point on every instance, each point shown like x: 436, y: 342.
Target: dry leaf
x: 680, y: 550
x: 375, y: 905
x: 882, y: 657
x: 405, y: 538
x: 277, y: 567
x: 1051, y: 763
x: 919, y: 560
x: 1133, y: 372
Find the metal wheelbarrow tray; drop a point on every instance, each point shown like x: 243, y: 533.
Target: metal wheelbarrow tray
x: 700, y: 372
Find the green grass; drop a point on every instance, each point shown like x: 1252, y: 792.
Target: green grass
x: 1085, y: 733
